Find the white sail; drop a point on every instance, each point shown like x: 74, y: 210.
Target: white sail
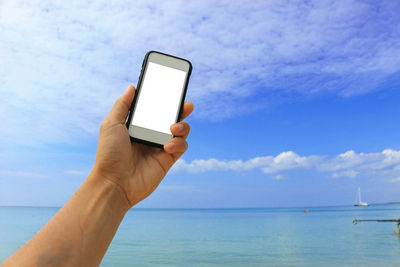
x: 359, y: 203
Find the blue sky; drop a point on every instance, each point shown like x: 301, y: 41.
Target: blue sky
x: 296, y: 102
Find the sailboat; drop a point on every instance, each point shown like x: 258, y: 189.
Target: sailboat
x: 359, y: 203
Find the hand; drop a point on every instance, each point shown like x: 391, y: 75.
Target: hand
x: 135, y: 168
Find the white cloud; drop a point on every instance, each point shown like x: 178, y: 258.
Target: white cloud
x: 63, y: 64
x: 349, y: 164
x: 77, y: 172
x: 268, y: 164
x: 349, y: 173
x: 394, y: 180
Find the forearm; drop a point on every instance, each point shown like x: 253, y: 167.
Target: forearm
x: 80, y: 233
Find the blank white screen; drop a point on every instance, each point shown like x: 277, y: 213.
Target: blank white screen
x: 160, y: 94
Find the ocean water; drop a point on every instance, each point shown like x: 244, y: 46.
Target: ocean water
x: 324, y: 236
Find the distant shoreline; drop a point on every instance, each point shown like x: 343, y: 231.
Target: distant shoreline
x: 224, y: 208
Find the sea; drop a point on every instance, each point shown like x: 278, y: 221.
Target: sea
x: 323, y: 236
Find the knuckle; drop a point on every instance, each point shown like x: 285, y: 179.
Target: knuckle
x: 103, y: 125
x: 117, y: 103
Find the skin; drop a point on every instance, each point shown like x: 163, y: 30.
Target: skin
x: 124, y: 173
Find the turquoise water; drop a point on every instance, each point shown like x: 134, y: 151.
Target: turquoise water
x: 232, y: 237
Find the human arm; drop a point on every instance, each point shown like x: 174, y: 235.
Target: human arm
x: 124, y: 173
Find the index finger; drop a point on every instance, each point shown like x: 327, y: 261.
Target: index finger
x: 187, y: 109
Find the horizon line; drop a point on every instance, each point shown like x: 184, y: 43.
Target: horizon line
x: 221, y: 208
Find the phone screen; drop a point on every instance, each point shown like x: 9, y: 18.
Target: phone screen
x: 159, y: 98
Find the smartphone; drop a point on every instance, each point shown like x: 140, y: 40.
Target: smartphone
x: 159, y: 99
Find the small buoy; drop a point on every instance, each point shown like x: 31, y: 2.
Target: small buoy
x: 305, y: 211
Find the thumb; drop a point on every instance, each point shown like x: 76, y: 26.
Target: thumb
x: 120, y: 110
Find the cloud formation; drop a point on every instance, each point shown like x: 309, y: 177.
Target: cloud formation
x: 80, y: 173
x: 349, y: 164
x: 63, y: 64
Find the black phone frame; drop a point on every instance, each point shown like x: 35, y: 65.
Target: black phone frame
x: 138, y: 87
